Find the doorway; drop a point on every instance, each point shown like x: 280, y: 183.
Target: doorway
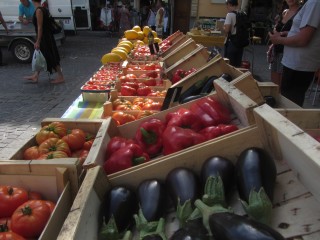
x: 181, y: 15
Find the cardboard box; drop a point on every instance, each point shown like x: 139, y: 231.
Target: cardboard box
x: 180, y: 52
x: 241, y: 109
x: 295, y: 204
x: 197, y: 58
x: 55, y: 180
x: 96, y: 127
x: 215, y: 67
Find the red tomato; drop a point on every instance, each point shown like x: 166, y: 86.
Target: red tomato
x: 81, y: 155
x: 131, y: 76
x: 5, y: 224
x: 53, y: 155
x: 122, y: 118
x: 144, y: 91
x: 30, y: 218
x: 120, y: 101
x: 128, y: 91
x: 54, y: 129
x: 143, y: 114
x: 10, y: 236
x: 10, y: 199
x: 34, y: 195
x: 51, y: 205
x: 134, y: 85
x: 54, y: 144
x: 75, y: 138
x: 88, y: 144
x: 150, y: 82
x: 150, y: 66
x: 31, y: 153
x: 155, y: 106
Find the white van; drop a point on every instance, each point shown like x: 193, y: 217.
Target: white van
x: 59, y: 9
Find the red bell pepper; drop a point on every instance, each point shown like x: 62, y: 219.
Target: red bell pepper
x: 191, y: 70
x: 211, y: 112
x: 184, y: 118
x: 177, y: 138
x: 177, y: 76
x: 149, y: 136
x: 124, y: 158
x: 116, y: 143
x: 216, y: 131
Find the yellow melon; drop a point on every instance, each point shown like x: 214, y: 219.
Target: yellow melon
x: 145, y: 40
x: 136, y: 28
x: 120, y: 52
x: 127, y: 42
x: 138, y: 43
x: 121, y: 48
x: 125, y: 46
x: 131, y: 35
x: 140, y: 35
x: 146, y: 30
x: 154, y: 34
x: 110, y: 57
x: 157, y: 40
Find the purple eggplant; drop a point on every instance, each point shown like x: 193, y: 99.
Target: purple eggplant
x: 192, y: 230
x: 229, y: 226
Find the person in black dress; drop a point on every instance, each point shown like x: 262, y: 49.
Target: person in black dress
x: 46, y: 43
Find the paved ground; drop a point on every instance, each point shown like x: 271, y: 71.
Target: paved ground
x: 24, y: 105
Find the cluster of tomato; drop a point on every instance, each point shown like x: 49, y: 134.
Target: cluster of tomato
x: 130, y: 85
x: 23, y: 214
x: 144, y: 106
x: 56, y: 141
x: 145, y: 67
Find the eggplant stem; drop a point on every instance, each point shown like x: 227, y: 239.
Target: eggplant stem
x: 214, y: 192
x: 184, y: 211
x: 110, y: 230
x: 259, y: 206
x: 127, y: 236
x: 207, y: 211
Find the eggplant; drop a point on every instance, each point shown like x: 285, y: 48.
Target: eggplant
x: 229, y: 226
x: 195, y: 89
x: 183, y: 187
x: 227, y: 77
x: 256, y: 177
x: 192, y: 230
x: 219, y: 166
x: 270, y: 100
x: 208, y: 87
x: 120, y: 204
x: 191, y: 98
x: 151, y: 196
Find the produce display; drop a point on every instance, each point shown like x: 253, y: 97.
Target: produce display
x: 201, y: 203
x: 23, y: 214
x: 56, y: 141
x: 204, y: 120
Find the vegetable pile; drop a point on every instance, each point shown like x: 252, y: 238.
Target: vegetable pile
x: 204, y: 120
x: 23, y: 214
x: 201, y: 202
x: 56, y: 141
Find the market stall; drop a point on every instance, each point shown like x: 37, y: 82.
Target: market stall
x: 161, y: 115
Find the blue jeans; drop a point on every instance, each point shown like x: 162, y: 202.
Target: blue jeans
x: 233, y: 53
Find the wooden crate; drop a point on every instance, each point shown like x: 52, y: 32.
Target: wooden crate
x: 95, y: 127
x: 183, y: 50
x: 55, y: 180
x: 242, y: 111
x: 126, y: 65
x: 197, y: 58
x: 215, y: 67
x: 295, y: 207
x: 258, y: 90
x: 175, y: 44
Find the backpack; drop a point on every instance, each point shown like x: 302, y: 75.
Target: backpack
x: 243, y: 25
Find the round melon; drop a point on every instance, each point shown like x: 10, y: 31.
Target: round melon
x: 127, y: 42
x: 120, y: 52
x: 157, y: 40
x: 140, y: 35
x: 136, y: 28
x: 131, y: 35
x: 125, y: 46
x: 121, y: 48
x: 110, y: 57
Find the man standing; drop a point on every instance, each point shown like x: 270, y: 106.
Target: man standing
x: 26, y: 10
x: 6, y: 28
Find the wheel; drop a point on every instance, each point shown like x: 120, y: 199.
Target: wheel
x: 22, y: 51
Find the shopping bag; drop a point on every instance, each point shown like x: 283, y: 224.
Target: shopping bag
x: 38, y: 61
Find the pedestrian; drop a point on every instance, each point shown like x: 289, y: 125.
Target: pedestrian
x: 152, y: 17
x: 275, y: 51
x: 124, y: 18
x: 232, y: 52
x: 301, y: 51
x: 5, y: 28
x: 46, y: 43
x: 26, y: 11
x: 160, y: 18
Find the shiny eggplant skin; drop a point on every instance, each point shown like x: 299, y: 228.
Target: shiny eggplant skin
x: 227, y: 77
x: 229, y: 226
x: 192, y: 230
x: 191, y: 98
x: 219, y: 166
x: 122, y: 203
x: 152, y: 199
x: 208, y: 87
x: 255, y: 169
x: 182, y: 183
x: 195, y: 89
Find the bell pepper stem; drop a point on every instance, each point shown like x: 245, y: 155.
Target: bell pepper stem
x: 259, y: 206
x: 138, y: 160
x: 149, y: 137
x: 207, y: 211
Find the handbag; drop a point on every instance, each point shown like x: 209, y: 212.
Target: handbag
x: 55, y: 27
x: 39, y: 63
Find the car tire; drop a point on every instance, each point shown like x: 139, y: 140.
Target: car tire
x: 22, y: 51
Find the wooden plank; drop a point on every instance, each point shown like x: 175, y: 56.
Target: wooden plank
x: 175, y: 44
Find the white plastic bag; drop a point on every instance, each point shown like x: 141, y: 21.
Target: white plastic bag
x: 38, y: 61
